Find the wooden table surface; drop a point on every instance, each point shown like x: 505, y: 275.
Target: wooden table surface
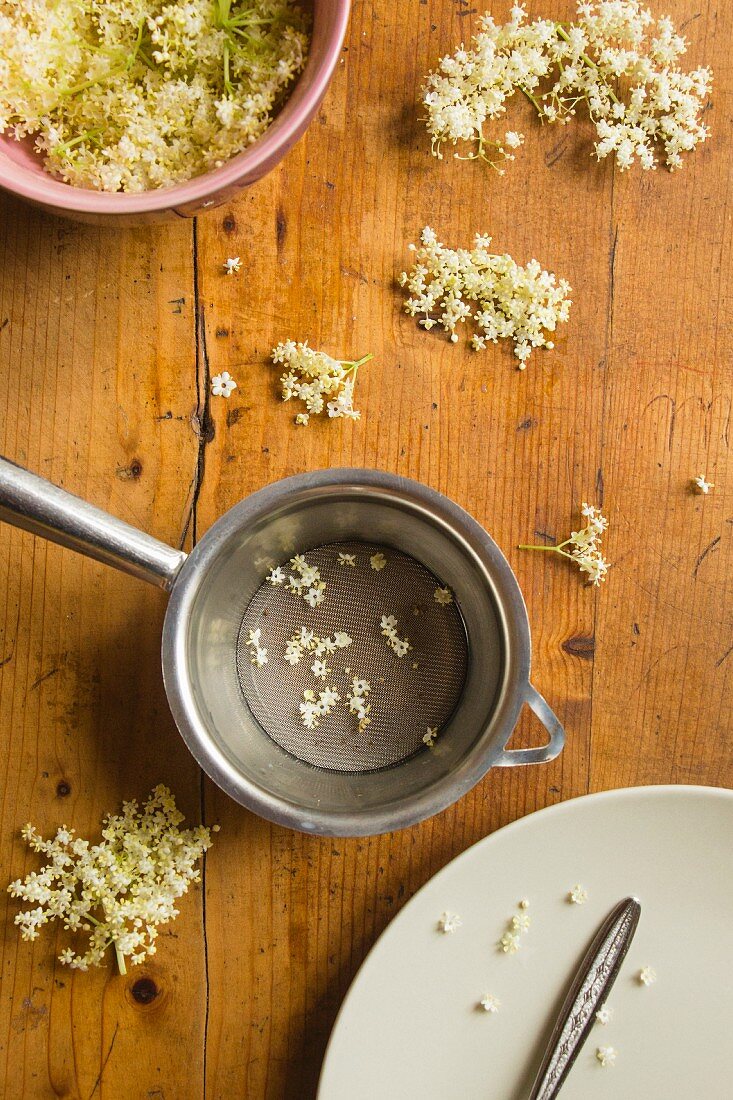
x: 108, y: 341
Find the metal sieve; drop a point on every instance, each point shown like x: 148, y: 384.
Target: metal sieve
x: 408, y: 694
x: 242, y: 722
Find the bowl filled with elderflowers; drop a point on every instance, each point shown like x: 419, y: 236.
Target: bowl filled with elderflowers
x: 129, y: 111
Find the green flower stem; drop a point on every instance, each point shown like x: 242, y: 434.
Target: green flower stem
x: 120, y: 961
x: 553, y: 549
x: 584, y: 57
x: 354, y: 364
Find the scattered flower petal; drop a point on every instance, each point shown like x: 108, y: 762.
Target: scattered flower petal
x: 223, y: 385
x: 702, y: 485
x: 449, y: 922
x: 606, y: 1056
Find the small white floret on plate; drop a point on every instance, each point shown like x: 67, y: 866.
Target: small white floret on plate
x: 647, y: 975
x: 233, y: 265
x: 604, y: 1015
x: 490, y: 1003
x: 449, y: 922
x: 606, y: 1056
x: 509, y: 943
x: 578, y: 895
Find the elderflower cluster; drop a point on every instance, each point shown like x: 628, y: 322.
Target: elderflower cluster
x: 398, y: 645
x: 314, y: 708
x: 313, y: 377
x: 505, y: 300
x: 132, y: 95
x: 305, y: 580
x: 357, y: 700
x: 305, y: 641
x: 118, y: 891
x: 583, y: 546
x: 616, y: 60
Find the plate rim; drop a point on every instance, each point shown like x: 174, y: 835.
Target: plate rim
x: 653, y: 790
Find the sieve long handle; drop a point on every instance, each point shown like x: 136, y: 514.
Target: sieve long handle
x: 36, y: 505
x: 537, y: 703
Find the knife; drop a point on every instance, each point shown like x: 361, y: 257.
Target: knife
x: 590, y: 987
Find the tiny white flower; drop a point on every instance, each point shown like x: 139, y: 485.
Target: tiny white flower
x: 604, y: 1015
x: 443, y: 596
x: 233, y: 266
x: 430, y: 736
x: 509, y: 943
x: 223, y: 385
x: 606, y: 1056
x: 521, y: 922
x: 647, y: 976
x: 490, y: 1003
x: 276, y: 576
x: 449, y: 922
x: 378, y: 561
x: 524, y: 903
x: 701, y: 484
x: 319, y: 670
x: 302, y: 418
x: 347, y: 559
x: 578, y: 895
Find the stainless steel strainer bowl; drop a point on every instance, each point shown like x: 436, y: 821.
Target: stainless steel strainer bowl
x: 212, y: 589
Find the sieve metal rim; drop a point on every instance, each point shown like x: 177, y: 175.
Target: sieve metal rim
x: 515, y: 689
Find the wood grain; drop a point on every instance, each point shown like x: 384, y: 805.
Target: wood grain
x: 110, y: 343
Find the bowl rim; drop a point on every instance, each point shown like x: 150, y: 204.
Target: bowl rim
x: 285, y: 130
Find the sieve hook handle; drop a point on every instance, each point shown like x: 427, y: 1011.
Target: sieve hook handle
x: 539, y: 705
x: 39, y: 506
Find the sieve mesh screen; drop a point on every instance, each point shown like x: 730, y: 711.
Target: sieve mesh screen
x: 404, y: 700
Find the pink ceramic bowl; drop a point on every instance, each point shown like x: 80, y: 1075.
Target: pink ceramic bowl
x: 22, y: 173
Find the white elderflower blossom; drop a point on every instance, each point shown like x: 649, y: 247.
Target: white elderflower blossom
x: 134, y: 95
x: 304, y: 581
x: 490, y: 1003
x: 509, y: 943
x: 378, y: 561
x: 443, y: 596
x: 606, y: 1056
x: 578, y: 895
x: 647, y: 976
x: 312, y: 377
x: 223, y: 385
x: 430, y: 736
x: 604, y: 1015
x: 701, y: 484
x: 116, y: 892
x: 583, y: 546
x: 357, y: 702
x: 258, y: 653
x: 347, y: 559
x: 449, y: 922
x: 232, y: 266
x: 388, y: 626
x: 447, y: 287
x: 614, y: 60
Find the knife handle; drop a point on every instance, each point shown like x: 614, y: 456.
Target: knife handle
x: 591, y: 985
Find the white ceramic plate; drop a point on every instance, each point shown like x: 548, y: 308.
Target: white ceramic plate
x: 410, y: 1026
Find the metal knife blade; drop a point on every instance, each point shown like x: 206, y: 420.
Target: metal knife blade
x: 590, y: 987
